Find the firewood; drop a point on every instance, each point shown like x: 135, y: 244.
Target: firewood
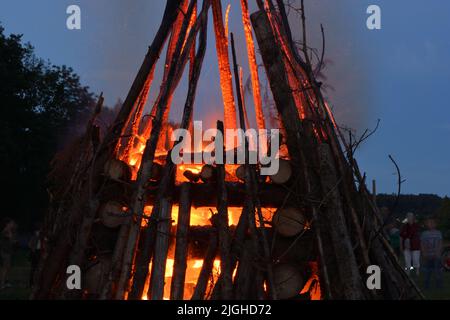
x: 157, y: 280
x: 181, y: 246
x: 167, y: 181
x: 240, y: 173
x: 251, y: 187
x: 299, y: 250
x: 333, y: 213
x: 245, y: 272
x: 222, y: 225
x: 178, y: 63
x: 117, y: 170
x: 95, y: 276
x: 289, y: 222
x: 208, y: 173
x: 103, y: 239
x: 192, y: 177
x: 283, y: 174
x: 145, y: 72
x: 207, y: 267
x: 112, y: 214
x: 288, y: 280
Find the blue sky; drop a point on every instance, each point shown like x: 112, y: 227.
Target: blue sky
x: 399, y: 74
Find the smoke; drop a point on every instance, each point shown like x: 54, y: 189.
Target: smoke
x: 124, y: 30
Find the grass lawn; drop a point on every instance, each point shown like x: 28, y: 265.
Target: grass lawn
x: 21, y: 268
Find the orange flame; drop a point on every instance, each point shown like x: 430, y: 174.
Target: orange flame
x: 226, y: 82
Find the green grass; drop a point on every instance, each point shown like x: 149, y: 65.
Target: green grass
x: 21, y: 268
x: 433, y: 293
x: 18, y: 277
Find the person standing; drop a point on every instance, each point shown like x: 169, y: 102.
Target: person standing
x: 394, y: 238
x: 35, y: 245
x: 7, y: 240
x: 410, y: 244
x: 431, y: 247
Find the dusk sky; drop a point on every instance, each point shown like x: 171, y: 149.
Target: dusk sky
x: 399, y: 74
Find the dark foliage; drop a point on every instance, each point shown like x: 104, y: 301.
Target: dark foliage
x: 422, y: 205
x: 42, y: 107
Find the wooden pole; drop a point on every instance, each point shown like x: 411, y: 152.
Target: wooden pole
x: 223, y: 228
x: 144, y: 174
x: 207, y: 267
x: 181, y: 246
x: 157, y: 279
x: 145, y: 72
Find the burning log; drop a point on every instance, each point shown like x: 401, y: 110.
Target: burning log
x: 251, y: 188
x: 95, y: 276
x: 181, y: 248
x: 157, y: 280
x: 178, y: 62
x: 289, y: 222
x: 208, y: 173
x: 156, y: 290
x: 226, y: 82
x: 253, y: 65
x: 288, y: 280
x: 207, y: 267
x: 349, y: 273
x: 245, y: 273
x: 192, y: 177
x: 284, y: 173
x: 240, y: 173
x: 112, y: 214
x: 169, y: 56
x: 222, y: 225
x: 117, y: 170
x: 145, y: 73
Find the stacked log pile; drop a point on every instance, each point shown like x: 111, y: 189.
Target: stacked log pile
x: 317, y: 244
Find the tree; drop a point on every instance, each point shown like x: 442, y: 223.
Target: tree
x: 443, y: 215
x: 41, y: 106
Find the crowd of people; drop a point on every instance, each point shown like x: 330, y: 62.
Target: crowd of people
x: 8, y: 242
x: 421, y: 250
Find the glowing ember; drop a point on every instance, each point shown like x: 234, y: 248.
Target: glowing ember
x: 253, y: 65
x: 226, y: 82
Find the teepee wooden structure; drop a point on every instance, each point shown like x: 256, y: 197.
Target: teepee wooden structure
x: 126, y: 216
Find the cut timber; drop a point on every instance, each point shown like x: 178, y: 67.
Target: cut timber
x: 145, y: 73
x: 222, y: 225
x: 240, y: 173
x: 112, y: 214
x: 207, y: 267
x: 253, y: 65
x: 95, y: 276
x: 288, y: 280
x: 192, y: 177
x: 289, y: 222
x: 138, y: 200
x: 156, y: 290
x: 181, y: 246
x: 283, y: 174
x: 337, y: 226
x: 117, y: 170
x: 226, y: 82
x: 208, y: 173
x: 277, y: 74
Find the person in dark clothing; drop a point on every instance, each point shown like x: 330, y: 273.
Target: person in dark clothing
x: 410, y: 244
x: 394, y: 238
x: 7, y: 240
x: 431, y: 249
x: 35, y: 245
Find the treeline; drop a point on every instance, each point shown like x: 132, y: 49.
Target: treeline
x: 422, y: 205
x: 43, y: 107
